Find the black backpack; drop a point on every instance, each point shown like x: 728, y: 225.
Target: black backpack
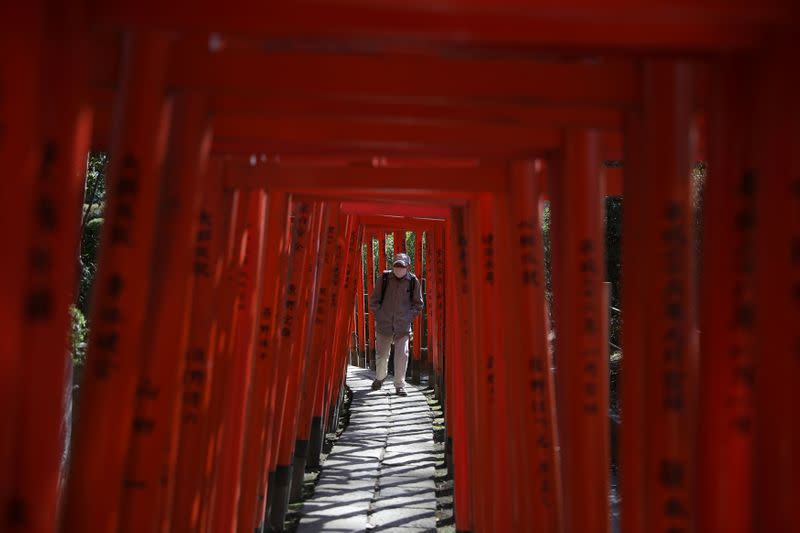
x: 385, y: 281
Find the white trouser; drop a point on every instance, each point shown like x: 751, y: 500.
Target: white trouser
x: 383, y: 345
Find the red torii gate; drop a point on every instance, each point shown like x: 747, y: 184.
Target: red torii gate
x: 200, y: 93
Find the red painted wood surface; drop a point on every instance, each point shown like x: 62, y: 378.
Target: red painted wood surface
x: 578, y: 24
x: 372, y: 260
x: 531, y: 379
x: 777, y: 302
x: 291, y: 319
x: 581, y: 341
x: 151, y: 460
x: 21, y: 47
x: 338, y: 122
x: 668, y: 307
x: 251, y: 504
x: 202, y: 354
x: 416, y: 267
x: 102, y: 432
x: 233, y: 210
x: 63, y: 135
x: 247, y: 259
x: 307, y: 243
x: 361, y: 303
x: 728, y: 342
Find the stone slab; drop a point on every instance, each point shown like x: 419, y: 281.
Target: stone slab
x: 379, y: 474
x: 397, y: 518
x: 406, y: 498
x: 406, y: 482
x: 323, y: 524
x: 416, y: 471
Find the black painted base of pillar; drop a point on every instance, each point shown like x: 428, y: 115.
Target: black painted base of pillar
x: 352, y: 358
x: 279, y: 498
x: 448, y: 455
x: 332, y: 418
x: 298, y: 471
x: 315, y: 441
x: 415, y: 368
x: 261, y: 502
x: 270, y: 485
x: 333, y: 415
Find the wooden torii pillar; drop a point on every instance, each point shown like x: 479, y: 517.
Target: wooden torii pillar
x: 461, y: 86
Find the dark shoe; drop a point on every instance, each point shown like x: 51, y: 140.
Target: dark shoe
x: 376, y: 385
x: 401, y: 391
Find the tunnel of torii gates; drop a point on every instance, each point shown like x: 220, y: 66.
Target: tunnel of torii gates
x: 257, y: 149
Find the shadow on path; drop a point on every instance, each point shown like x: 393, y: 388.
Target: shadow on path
x: 379, y: 475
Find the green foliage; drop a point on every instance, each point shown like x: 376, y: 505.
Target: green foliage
x: 699, y: 173
x: 381, y: 262
x: 423, y: 248
x: 375, y: 262
x: 90, y: 242
x: 95, y: 186
x: 90, y: 245
x: 91, y: 223
x: 411, y: 239
x: 613, y: 243
x: 78, y: 335
x: 548, y: 256
x: 389, y: 251
x: 92, y: 211
x: 613, y: 230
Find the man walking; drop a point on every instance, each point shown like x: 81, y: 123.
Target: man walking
x: 396, y: 301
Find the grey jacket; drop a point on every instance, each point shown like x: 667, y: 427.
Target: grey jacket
x: 399, y: 310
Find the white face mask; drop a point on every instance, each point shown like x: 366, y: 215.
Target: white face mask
x: 400, y: 272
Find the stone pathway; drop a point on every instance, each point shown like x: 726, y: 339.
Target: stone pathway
x: 380, y: 474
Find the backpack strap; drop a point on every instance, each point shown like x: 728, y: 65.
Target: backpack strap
x: 384, y: 283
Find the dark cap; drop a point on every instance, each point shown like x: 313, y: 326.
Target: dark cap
x: 401, y: 259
